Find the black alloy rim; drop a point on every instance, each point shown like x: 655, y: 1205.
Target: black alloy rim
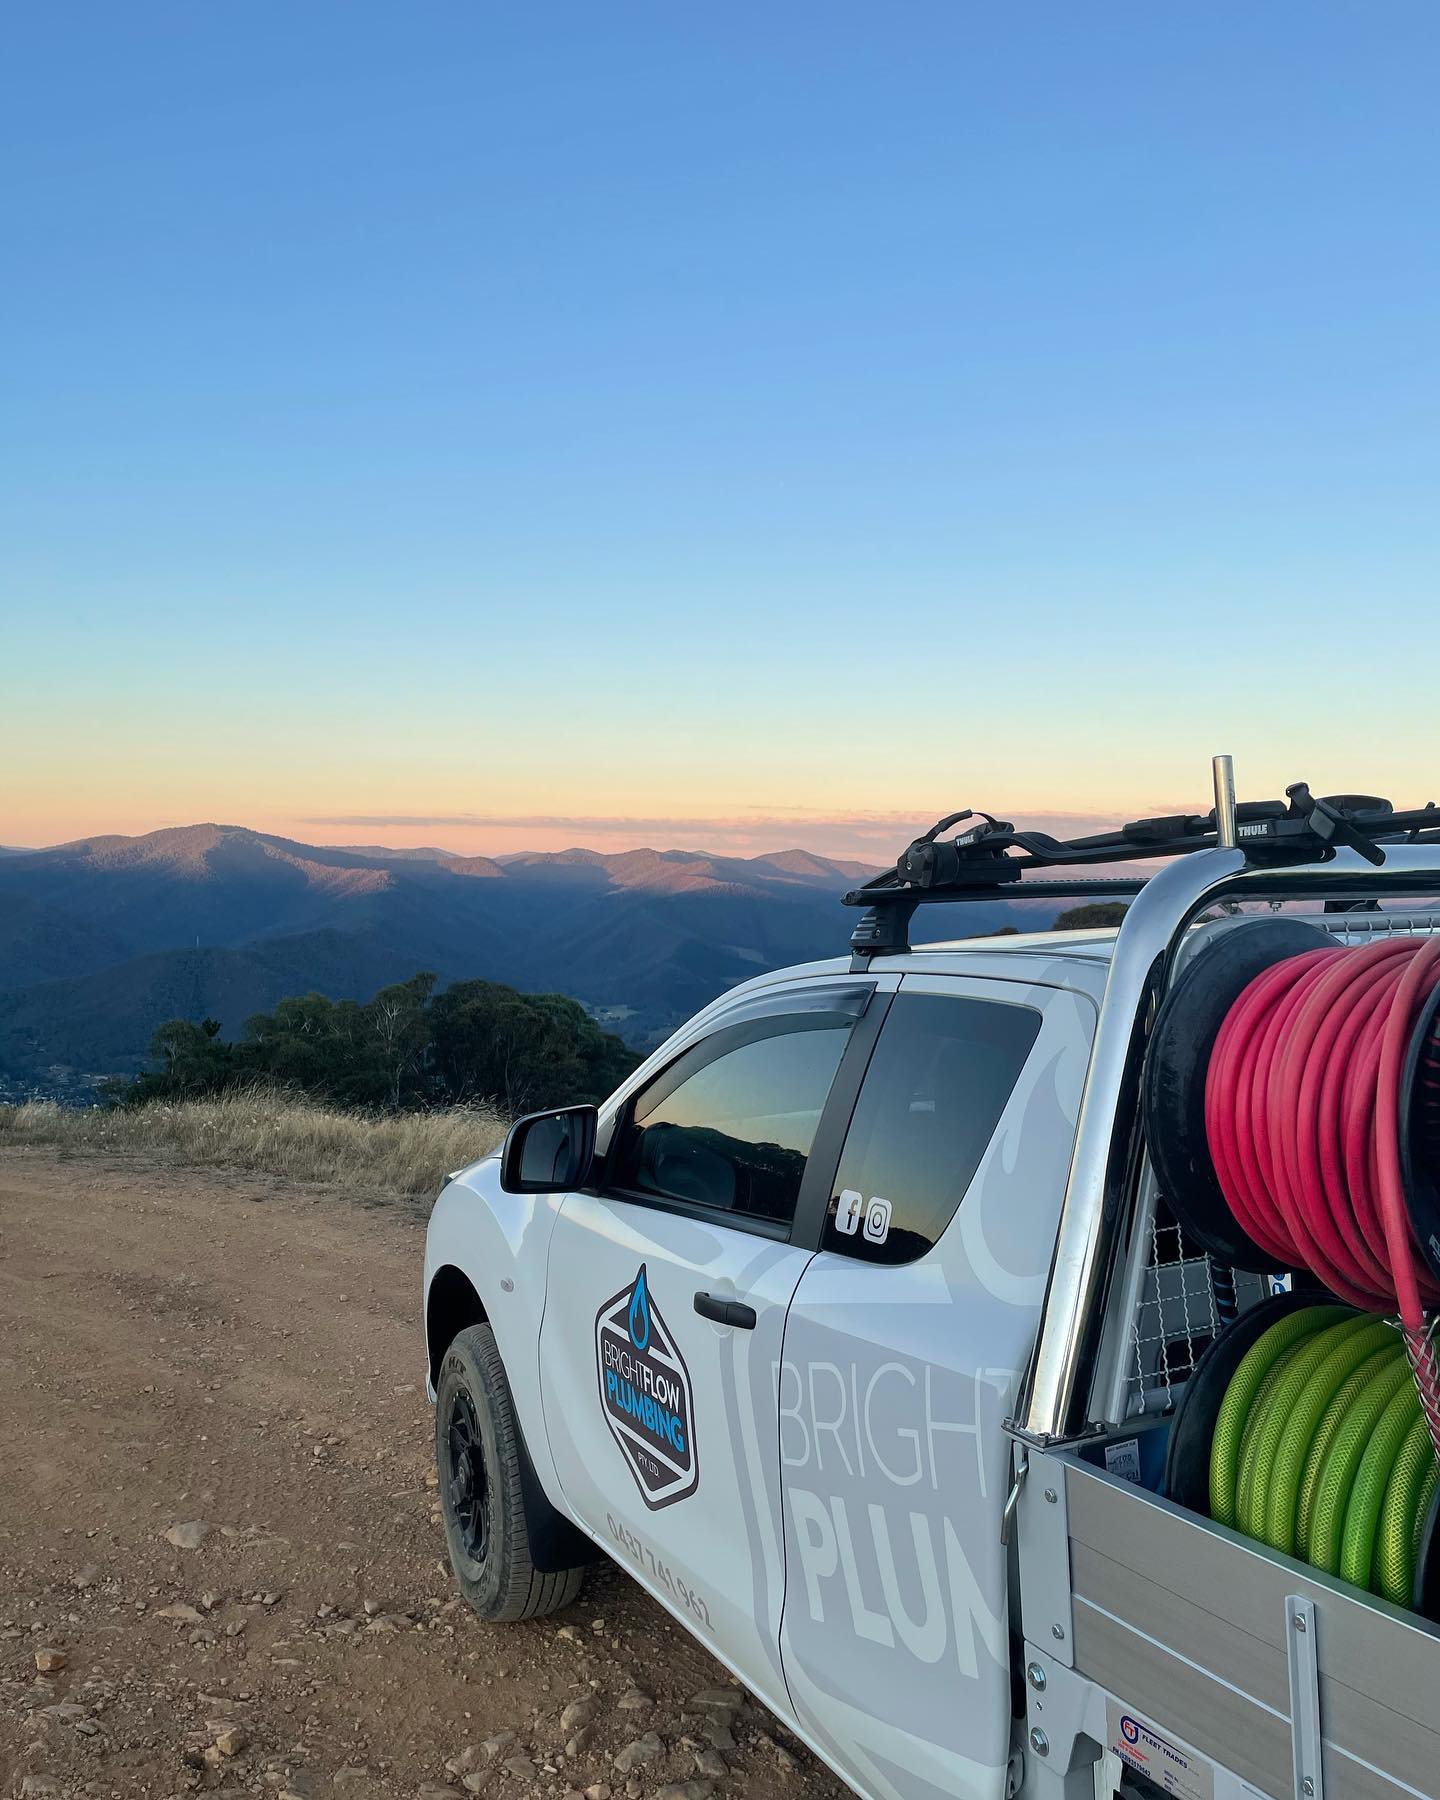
x: 468, y: 1488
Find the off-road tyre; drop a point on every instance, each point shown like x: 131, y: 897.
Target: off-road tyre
x: 490, y: 1549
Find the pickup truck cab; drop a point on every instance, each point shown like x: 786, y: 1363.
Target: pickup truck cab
x: 828, y: 1324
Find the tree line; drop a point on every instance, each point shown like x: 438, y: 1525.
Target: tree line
x: 409, y: 1047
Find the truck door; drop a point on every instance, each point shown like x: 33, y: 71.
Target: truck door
x: 665, y: 1307
x: 903, y: 1350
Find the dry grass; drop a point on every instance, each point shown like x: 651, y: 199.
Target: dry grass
x: 271, y: 1134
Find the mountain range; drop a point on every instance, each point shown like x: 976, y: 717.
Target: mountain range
x: 103, y: 939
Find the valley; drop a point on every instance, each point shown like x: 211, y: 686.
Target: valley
x: 103, y: 940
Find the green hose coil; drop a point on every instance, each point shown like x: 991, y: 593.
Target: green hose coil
x: 1362, y: 1514
x: 1342, y: 1466
x: 1427, y: 1496
x: 1349, y: 1348
x: 1402, y: 1516
x: 1258, y: 1363
x: 1321, y: 1450
x: 1333, y: 1418
x: 1257, y: 1425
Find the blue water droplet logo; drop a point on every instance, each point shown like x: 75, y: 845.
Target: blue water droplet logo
x: 639, y: 1317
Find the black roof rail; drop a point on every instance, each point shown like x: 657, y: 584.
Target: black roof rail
x: 991, y: 859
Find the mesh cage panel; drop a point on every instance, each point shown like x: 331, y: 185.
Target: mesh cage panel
x: 1184, y: 1300
x: 1359, y: 928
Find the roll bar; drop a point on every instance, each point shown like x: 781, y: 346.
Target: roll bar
x: 1055, y: 1399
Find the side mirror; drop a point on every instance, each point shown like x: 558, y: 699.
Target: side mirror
x: 548, y: 1152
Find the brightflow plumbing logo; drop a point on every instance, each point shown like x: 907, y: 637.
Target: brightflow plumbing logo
x: 645, y: 1391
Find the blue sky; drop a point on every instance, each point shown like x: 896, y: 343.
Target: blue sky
x: 649, y: 423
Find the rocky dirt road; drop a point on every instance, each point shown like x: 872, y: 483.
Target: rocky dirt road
x: 221, y: 1567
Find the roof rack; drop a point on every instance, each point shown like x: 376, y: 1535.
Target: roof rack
x: 991, y: 859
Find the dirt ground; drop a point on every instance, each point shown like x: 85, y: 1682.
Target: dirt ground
x: 244, y: 1358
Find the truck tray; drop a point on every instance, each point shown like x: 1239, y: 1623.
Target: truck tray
x: 1187, y: 1622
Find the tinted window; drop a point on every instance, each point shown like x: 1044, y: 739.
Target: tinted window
x: 735, y: 1132
x: 933, y: 1095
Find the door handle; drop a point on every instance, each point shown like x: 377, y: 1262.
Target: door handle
x: 725, y: 1312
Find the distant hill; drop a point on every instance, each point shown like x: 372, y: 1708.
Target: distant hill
x: 102, y: 939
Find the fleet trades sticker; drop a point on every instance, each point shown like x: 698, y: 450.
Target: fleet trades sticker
x: 645, y: 1391
x: 1159, y: 1758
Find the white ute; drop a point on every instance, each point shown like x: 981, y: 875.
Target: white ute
x: 834, y: 1331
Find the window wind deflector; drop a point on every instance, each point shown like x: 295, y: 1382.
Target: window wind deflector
x: 846, y: 999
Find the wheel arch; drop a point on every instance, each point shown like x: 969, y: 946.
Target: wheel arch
x: 452, y: 1305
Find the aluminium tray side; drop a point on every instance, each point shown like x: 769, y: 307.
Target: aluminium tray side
x: 1185, y: 1621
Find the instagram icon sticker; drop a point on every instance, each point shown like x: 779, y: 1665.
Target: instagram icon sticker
x: 877, y: 1220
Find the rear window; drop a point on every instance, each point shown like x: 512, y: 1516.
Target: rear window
x: 942, y: 1072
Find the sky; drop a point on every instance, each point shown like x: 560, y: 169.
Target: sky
x: 730, y: 427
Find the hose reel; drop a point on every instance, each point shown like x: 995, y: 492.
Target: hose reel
x: 1302, y: 1429
x: 1292, y: 1113
x: 1177, y: 1099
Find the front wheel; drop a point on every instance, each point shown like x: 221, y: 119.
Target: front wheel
x: 478, y: 1459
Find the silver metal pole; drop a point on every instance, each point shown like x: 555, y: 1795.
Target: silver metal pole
x: 1137, y: 1267
x: 1223, y: 769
